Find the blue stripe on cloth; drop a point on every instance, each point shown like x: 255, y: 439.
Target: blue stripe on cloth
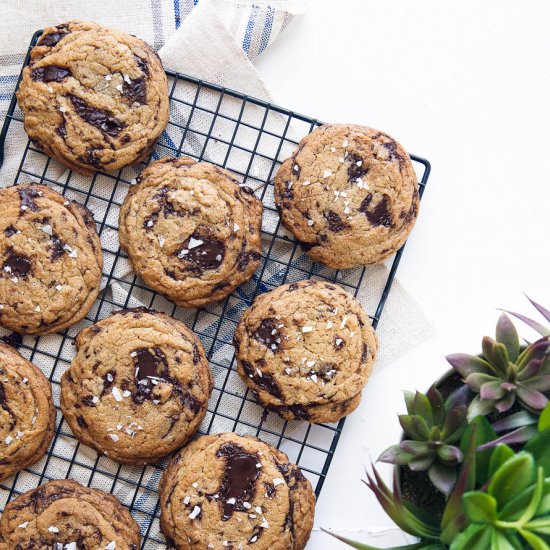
x: 249, y: 28
x: 268, y: 26
x: 177, y: 13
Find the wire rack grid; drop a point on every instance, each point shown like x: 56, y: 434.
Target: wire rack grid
x: 251, y: 138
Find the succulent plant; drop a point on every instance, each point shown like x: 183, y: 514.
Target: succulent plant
x: 514, y: 511
x: 433, y: 429
x: 535, y: 325
x: 506, y: 372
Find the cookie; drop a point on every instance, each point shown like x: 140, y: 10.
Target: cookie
x: 94, y: 98
x: 64, y: 515
x: 138, y: 386
x: 306, y: 351
x: 27, y: 414
x: 349, y: 194
x: 50, y: 260
x: 238, y: 492
x: 191, y: 231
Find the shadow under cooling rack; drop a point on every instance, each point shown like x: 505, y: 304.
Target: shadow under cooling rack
x: 251, y: 138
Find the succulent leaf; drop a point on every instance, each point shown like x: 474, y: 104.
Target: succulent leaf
x: 416, y: 448
x: 516, y: 420
x: 466, y: 364
x: 507, y: 334
x: 419, y: 464
x: 450, y: 455
x: 408, y: 427
x: 423, y: 408
x: 493, y: 390
x: 395, y: 455
x: 443, y: 477
x: 533, y: 399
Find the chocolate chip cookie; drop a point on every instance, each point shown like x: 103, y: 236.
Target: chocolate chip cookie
x: 349, y: 194
x: 64, y: 515
x: 306, y: 351
x: 238, y: 492
x: 50, y: 260
x: 138, y: 386
x: 93, y: 98
x: 27, y: 414
x: 191, y: 231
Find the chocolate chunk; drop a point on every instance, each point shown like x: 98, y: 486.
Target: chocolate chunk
x: 81, y: 422
x: 53, y: 38
x: 292, y: 287
x: 296, y: 170
x: 50, y: 73
x: 27, y: 194
x: 269, y: 489
x: 102, y: 119
x: 17, y: 264
x: 142, y: 64
x: 88, y: 401
x: 57, y: 247
x: 288, y: 193
x: 298, y: 411
x: 150, y: 364
x: 61, y: 131
x: 90, y: 157
x: 292, y: 474
x: 238, y: 480
x: 6, y: 407
x: 9, y: 231
x: 245, y: 258
x: 264, y: 381
x: 335, y: 222
x: 190, y: 401
x: 108, y: 380
x: 326, y: 371
x: 268, y: 334
x: 246, y: 189
x: 357, y: 168
x: 207, y: 255
x: 364, y: 353
x: 256, y: 534
x: 136, y: 90
x: 196, y: 354
x: 339, y: 343
x: 380, y: 214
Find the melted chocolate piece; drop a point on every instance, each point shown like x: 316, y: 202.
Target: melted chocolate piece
x: 90, y: 157
x: 288, y: 193
x: 57, y: 247
x: 27, y: 194
x: 81, y: 422
x: 9, y: 231
x: 299, y: 412
x: 50, y: 73
x: 354, y: 170
x: 61, y: 131
x: 268, y: 334
x: 102, y: 119
x: 108, y: 380
x: 88, y: 401
x: 326, y: 371
x: 292, y: 474
x: 196, y: 354
x: 15, y: 340
x: 380, y: 215
x: 142, y: 64
x: 335, y: 222
x: 53, y: 38
x: 150, y: 364
x: 17, y: 264
x: 264, y: 381
x: 296, y: 170
x: 208, y: 255
x: 269, y: 489
x: 136, y: 90
x: 239, y: 478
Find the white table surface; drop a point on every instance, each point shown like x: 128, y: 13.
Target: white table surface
x: 466, y: 85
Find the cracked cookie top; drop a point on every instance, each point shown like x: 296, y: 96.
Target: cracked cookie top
x: 64, y: 515
x: 138, y: 386
x: 94, y: 98
x: 238, y: 492
x: 306, y: 350
x: 50, y: 260
x: 349, y: 194
x: 191, y: 231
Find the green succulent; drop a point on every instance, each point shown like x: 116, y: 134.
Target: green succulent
x: 433, y: 429
x: 505, y: 372
x: 514, y: 511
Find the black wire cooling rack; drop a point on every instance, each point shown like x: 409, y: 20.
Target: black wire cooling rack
x: 250, y: 138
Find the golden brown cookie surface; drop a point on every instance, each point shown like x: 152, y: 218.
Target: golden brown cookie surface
x: 226, y: 490
x: 349, y: 194
x: 65, y: 515
x: 50, y: 260
x: 94, y: 98
x: 190, y: 231
x: 138, y: 386
x: 306, y: 350
x: 27, y: 414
